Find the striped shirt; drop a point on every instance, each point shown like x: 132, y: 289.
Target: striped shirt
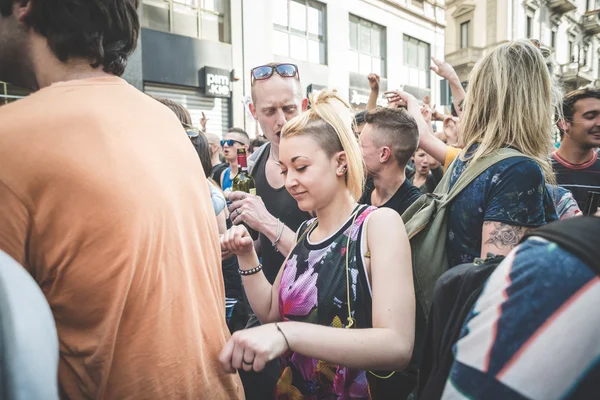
x: 577, y: 178
x: 533, y: 333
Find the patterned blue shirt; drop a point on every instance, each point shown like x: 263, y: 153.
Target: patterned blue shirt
x: 533, y: 333
x: 511, y: 191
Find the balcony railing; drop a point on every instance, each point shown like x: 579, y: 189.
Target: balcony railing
x: 562, y: 6
x: 591, y: 23
x: 579, y: 76
x: 466, y: 56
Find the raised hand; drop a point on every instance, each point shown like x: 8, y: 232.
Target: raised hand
x: 374, y: 80
x: 443, y: 69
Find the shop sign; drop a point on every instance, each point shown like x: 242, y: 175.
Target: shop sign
x: 217, y: 82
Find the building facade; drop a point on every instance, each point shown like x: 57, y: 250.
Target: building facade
x: 568, y: 31
x: 200, y: 52
x: 337, y: 43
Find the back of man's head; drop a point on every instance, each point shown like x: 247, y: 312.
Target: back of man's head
x: 105, y: 32
x: 396, y: 129
x: 571, y: 98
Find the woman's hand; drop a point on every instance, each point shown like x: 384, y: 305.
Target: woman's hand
x: 251, y: 349
x: 238, y: 241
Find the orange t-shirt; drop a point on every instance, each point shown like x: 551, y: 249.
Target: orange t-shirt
x: 451, y: 154
x: 103, y: 202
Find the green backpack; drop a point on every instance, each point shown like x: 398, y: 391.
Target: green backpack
x: 426, y: 223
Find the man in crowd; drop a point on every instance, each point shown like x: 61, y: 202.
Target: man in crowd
x: 276, y: 98
x: 576, y: 162
x: 388, y: 141
x: 533, y: 333
x: 274, y: 213
x: 100, y: 206
x: 235, y: 139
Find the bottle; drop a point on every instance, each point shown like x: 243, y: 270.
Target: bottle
x: 243, y: 181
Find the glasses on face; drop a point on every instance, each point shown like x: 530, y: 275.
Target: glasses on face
x: 230, y: 142
x: 266, y: 71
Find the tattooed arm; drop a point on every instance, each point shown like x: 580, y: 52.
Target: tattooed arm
x: 500, y: 238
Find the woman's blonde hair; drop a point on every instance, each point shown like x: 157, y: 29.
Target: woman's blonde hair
x: 511, y: 101
x: 329, y: 123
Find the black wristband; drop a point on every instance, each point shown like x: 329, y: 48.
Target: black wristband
x: 247, y: 272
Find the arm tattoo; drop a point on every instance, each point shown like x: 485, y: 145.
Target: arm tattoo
x: 505, y: 235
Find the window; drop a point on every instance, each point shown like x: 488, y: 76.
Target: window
x: 416, y: 59
x: 529, y: 27
x: 553, y: 39
x: 464, y: 34
x: 571, y: 55
x: 592, y: 5
x: 205, y: 19
x: 367, y: 47
x: 584, y: 55
x: 299, y: 30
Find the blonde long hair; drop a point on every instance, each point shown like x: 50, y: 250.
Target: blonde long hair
x: 511, y: 101
x: 329, y: 123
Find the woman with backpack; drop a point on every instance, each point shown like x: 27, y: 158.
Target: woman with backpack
x: 510, y: 104
x: 343, y: 302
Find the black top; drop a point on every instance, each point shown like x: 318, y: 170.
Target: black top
x: 216, y: 172
x: 578, y: 178
x: 280, y: 204
x: 428, y: 186
x: 404, y: 197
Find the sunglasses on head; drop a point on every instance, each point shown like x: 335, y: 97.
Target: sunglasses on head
x: 231, y: 142
x: 191, y: 131
x: 266, y: 71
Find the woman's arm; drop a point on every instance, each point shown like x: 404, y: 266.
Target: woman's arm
x: 386, y: 346
x: 262, y: 296
x: 500, y: 238
x: 389, y: 344
x: 222, y: 222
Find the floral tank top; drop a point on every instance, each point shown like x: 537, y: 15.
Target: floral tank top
x: 314, y: 290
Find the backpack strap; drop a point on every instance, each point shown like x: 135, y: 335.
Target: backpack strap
x: 579, y: 236
x: 472, y: 171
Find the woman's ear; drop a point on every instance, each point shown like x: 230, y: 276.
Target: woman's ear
x: 341, y: 163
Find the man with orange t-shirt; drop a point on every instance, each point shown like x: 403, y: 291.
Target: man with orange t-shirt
x: 100, y: 205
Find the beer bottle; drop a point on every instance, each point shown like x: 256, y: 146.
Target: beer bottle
x: 244, y: 182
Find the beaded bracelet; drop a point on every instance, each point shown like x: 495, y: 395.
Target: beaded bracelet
x: 247, y: 272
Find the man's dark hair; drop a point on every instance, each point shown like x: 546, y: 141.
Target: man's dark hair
x: 103, y: 31
x: 256, y: 143
x: 240, y: 132
x: 359, y: 118
x: 568, y: 104
x: 396, y: 129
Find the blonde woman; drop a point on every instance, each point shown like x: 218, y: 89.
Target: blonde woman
x: 351, y: 268
x: 510, y: 103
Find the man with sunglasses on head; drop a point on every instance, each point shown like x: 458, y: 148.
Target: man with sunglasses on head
x: 235, y: 139
x: 277, y: 97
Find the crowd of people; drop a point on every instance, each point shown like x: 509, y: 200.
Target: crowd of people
x: 390, y: 261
